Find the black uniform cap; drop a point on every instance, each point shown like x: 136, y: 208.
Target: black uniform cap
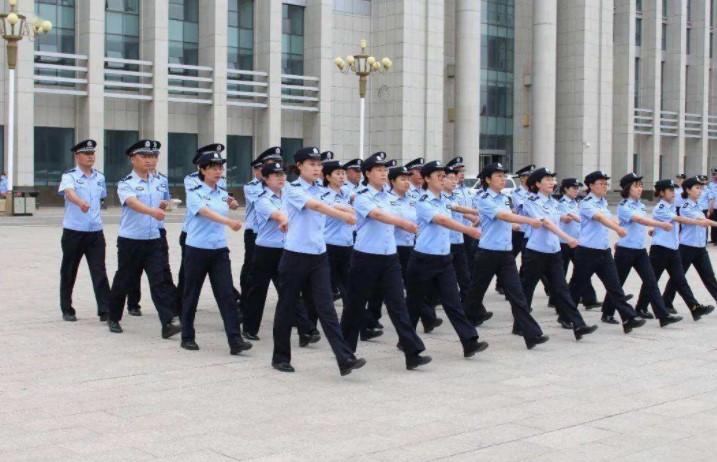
x: 525, y: 170
x: 455, y: 163
x: 538, y: 174
x: 144, y: 147
x: 490, y: 169
x: 690, y: 182
x: 210, y: 157
x: 353, y: 163
x: 570, y: 183
x: 415, y: 163
x: 628, y: 179
x: 331, y: 165
x: 271, y: 167
x: 273, y: 153
x: 377, y: 158
x: 662, y: 185
x: 88, y: 145
x: 681, y: 175
x: 432, y: 166
x: 395, y: 172
x: 327, y: 155
x: 306, y: 153
x: 591, y: 178
x: 215, y: 147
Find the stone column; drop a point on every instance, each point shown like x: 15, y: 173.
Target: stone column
x: 319, y: 62
x: 267, y: 57
x: 213, y: 53
x: 697, y: 86
x: 545, y: 13
x: 24, y: 107
x: 468, y: 81
x: 624, y: 86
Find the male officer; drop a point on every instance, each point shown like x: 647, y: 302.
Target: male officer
x: 679, y: 178
x: 139, y: 246
x: 464, y: 198
x: 83, y: 188
x: 353, y: 177
x: 415, y: 190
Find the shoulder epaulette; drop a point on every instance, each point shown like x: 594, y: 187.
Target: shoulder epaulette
x: 161, y: 174
x: 128, y: 177
x: 484, y: 195
x: 661, y: 206
x: 262, y: 193
x: 295, y: 183
x: 587, y: 198
x: 325, y: 194
x: 100, y: 172
x: 254, y: 181
x: 533, y: 198
x: 222, y: 188
x: 70, y: 170
x: 196, y: 187
x: 423, y: 197
x: 623, y: 202
x: 363, y: 191
x: 193, y: 174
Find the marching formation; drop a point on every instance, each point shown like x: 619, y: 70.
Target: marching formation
x: 374, y: 233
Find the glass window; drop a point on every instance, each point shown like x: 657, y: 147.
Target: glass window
x: 664, y: 37
x: 239, y: 156
x: 117, y: 164
x: 52, y: 154
x: 122, y: 36
x: 290, y: 146
x: 181, y: 148
x: 61, y: 39
x: 240, y: 46
x: 184, y: 39
x: 292, y: 40
x: 637, y: 82
x: 638, y: 32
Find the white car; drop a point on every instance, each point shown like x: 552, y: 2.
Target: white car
x: 510, y: 184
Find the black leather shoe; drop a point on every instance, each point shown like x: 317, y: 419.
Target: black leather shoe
x: 609, y: 319
x: 500, y: 290
x: 482, y: 319
x: 632, y: 323
x: 473, y: 347
x: 190, y: 345
x: 671, y: 310
x: 592, y: 305
x: 312, y: 337
x: 531, y: 342
x: 134, y: 311
x: 416, y: 360
x: 669, y: 319
x: 103, y: 317
x: 436, y: 322
x: 368, y: 334
x: 114, y: 327
x: 283, y: 367
x: 251, y: 337
x: 170, y: 329
x: 644, y: 314
x: 377, y: 325
x: 565, y: 324
x: 517, y: 331
x: 239, y: 346
x: 399, y: 346
x: 583, y: 330
x: 356, y: 363
x: 69, y: 317
x: 701, y: 310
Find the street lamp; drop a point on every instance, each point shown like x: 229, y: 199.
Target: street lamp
x: 362, y: 65
x: 13, y: 27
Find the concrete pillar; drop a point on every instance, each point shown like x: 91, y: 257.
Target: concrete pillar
x: 673, y: 148
x: 649, y: 146
x: 468, y: 52
x: 545, y: 14
x: 697, y: 85
x: 434, y: 107
x: 24, y: 108
x: 522, y: 92
x: 91, y: 42
x: 267, y: 57
x: 155, y: 47
x: 319, y: 62
x: 213, y: 53
x: 624, y: 86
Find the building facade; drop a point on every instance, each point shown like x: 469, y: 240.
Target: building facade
x: 576, y: 85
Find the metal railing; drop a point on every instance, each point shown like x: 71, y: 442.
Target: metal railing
x: 128, y: 78
x: 693, y: 125
x: 643, y: 121
x: 669, y: 123
x: 247, y: 88
x: 190, y: 84
x: 299, y: 92
x: 60, y: 73
x: 712, y: 127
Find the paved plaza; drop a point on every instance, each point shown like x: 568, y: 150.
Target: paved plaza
x: 74, y: 391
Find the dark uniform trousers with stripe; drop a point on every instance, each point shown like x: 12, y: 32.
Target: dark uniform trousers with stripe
x: 91, y: 245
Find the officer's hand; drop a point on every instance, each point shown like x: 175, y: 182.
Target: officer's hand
x: 158, y: 214
x: 572, y: 243
x: 163, y: 205
x: 284, y: 227
x: 704, y: 223
x: 473, y: 219
x: 234, y: 225
x: 666, y: 226
x: 621, y: 232
x: 350, y: 219
x: 233, y: 203
x: 410, y: 227
x: 344, y: 207
x: 84, y: 206
x: 535, y: 223
x: 474, y: 233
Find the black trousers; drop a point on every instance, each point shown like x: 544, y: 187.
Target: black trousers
x: 427, y: 312
x: 436, y: 272
x: 625, y: 260
x: 91, y: 245
x: 340, y: 264
x: 266, y: 270
x: 135, y: 294
x: 548, y: 266
x: 518, y: 240
x: 133, y: 257
x: 700, y: 259
x: 597, y: 261
x: 246, y: 273
x: 589, y: 297
x: 369, y: 274
x: 489, y: 263
x: 663, y: 259
x: 216, y: 264
x: 297, y: 272
x: 460, y: 265
x: 713, y: 230
x: 470, y: 245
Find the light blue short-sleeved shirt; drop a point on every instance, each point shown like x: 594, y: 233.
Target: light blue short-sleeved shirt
x: 414, y: 193
x: 543, y: 208
x: 190, y: 181
x: 351, y: 189
x: 251, y: 192
x: 135, y: 225
x: 636, y: 237
x: 451, y: 200
x: 519, y: 196
x: 569, y: 206
x: 202, y: 232
x: 164, y: 184
x: 678, y: 196
x: 306, y: 226
x: 666, y: 212
x: 3, y: 184
x: 464, y: 198
x: 337, y: 232
x: 374, y: 236
x: 432, y: 238
x: 91, y: 189
x: 405, y: 207
x: 267, y: 230
x: 692, y: 235
x: 495, y: 234
x: 593, y: 234
x: 705, y: 197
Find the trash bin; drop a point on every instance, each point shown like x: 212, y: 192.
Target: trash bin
x: 24, y: 203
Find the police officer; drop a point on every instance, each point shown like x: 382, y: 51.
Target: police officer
x: 353, y: 177
x: 207, y: 253
x: 83, y: 188
x: 593, y: 255
x: 430, y: 266
x: 570, y: 224
x: 693, y: 242
x: 664, y: 253
x: 3, y: 184
x: 414, y: 169
x: 464, y: 195
x: 630, y: 251
x: 679, y: 200
x: 541, y: 255
x: 251, y: 192
x: 375, y: 267
x: 712, y: 194
x: 304, y: 263
x: 139, y: 247
x: 494, y: 256
x: 518, y: 198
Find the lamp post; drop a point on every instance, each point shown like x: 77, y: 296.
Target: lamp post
x: 14, y: 27
x: 362, y: 65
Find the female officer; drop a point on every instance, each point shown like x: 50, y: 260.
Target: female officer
x: 663, y: 251
x: 304, y: 264
x: 206, y: 252
x: 374, y: 263
x: 431, y: 265
x: 541, y: 255
x: 570, y: 224
x: 593, y: 255
x: 693, y: 241
x: 494, y: 256
x: 630, y: 251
